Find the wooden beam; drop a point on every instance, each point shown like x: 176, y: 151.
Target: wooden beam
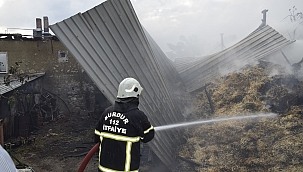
x: 1, y: 133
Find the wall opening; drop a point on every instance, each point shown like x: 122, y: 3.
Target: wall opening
x: 3, y: 62
x: 62, y: 56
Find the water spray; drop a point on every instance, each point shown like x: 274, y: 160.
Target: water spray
x: 166, y: 127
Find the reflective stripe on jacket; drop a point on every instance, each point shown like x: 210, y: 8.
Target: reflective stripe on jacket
x: 119, y: 131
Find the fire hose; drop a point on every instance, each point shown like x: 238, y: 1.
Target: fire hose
x: 88, y: 157
x: 165, y: 127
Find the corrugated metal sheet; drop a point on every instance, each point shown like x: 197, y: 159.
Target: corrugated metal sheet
x: 16, y: 83
x: 182, y: 64
x: 170, y: 74
x: 197, y: 72
x: 110, y: 44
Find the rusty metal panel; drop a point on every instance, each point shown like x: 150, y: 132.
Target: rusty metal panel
x: 110, y: 44
x: 257, y: 45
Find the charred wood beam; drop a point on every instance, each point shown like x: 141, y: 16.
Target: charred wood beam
x: 209, y: 100
x: 285, y: 57
x: 207, y: 95
x: 1, y: 133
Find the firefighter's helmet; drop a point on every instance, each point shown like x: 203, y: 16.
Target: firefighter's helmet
x: 129, y: 87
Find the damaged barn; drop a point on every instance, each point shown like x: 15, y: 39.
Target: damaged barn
x: 237, y: 80
x: 25, y: 106
x: 105, y: 53
x: 20, y: 103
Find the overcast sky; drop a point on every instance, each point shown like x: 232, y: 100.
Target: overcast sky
x: 165, y: 20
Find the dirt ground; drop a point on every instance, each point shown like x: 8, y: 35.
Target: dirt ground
x: 61, y: 145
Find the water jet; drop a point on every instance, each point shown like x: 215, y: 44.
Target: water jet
x: 185, y: 124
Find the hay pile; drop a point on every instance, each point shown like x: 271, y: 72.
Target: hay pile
x: 259, y: 144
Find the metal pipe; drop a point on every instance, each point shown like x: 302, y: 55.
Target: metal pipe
x: 38, y: 24
x: 222, y: 43
x: 264, y: 16
x: 45, y: 23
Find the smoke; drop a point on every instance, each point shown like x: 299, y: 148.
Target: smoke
x: 236, y: 65
x: 287, y: 57
x: 290, y: 30
x: 274, y: 72
x: 293, y: 54
x: 299, y: 75
x: 188, y: 110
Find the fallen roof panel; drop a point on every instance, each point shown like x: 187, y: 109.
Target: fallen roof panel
x: 255, y: 46
x: 110, y: 44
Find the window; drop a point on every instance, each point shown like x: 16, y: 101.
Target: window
x: 62, y: 56
x: 3, y: 62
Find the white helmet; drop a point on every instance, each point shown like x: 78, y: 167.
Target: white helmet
x: 129, y: 87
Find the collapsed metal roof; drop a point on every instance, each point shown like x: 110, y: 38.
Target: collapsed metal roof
x: 197, y: 72
x: 110, y: 44
x: 16, y: 83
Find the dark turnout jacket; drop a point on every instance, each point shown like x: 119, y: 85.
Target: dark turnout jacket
x: 119, y: 131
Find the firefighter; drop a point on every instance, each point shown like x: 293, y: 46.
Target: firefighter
x: 120, y: 130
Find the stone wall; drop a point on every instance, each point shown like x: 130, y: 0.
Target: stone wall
x: 64, y: 77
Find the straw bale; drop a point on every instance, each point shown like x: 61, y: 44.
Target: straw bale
x: 258, y: 144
